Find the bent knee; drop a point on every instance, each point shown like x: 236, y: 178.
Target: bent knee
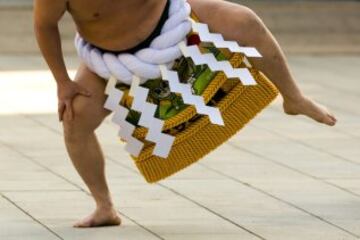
x: 248, y: 24
x: 234, y: 21
x: 86, y: 118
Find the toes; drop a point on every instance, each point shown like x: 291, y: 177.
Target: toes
x: 333, y: 121
x: 329, y: 120
x: 323, y: 118
x: 333, y: 118
x: 83, y: 223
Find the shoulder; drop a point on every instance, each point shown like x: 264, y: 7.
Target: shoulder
x: 50, y: 10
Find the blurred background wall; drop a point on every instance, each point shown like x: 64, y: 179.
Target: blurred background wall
x: 301, y: 26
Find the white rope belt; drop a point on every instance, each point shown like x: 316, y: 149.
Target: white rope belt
x: 163, y: 50
x: 154, y: 62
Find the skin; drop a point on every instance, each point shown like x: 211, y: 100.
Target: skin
x: 81, y: 101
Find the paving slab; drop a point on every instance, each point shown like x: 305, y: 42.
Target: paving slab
x: 16, y: 224
x: 281, y: 177
x: 153, y: 209
x: 256, y: 211
x: 284, y: 175
x: 59, y: 210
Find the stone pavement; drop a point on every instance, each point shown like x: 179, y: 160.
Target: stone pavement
x: 280, y: 178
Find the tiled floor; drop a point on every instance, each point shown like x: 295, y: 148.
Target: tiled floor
x: 280, y: 178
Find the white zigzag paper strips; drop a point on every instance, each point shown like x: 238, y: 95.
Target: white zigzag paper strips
x: 133, y: 146
x: 208, y: 58
x: 147, y: 119
x: 189, y: 98
x: 217, y: 39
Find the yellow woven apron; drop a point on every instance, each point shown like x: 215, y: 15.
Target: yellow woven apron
x: 198, y: 136
x: 238, y: 107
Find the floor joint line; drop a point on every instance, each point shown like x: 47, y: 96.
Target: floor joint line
x: 277, y: 198
x: 77, y: 186
x: 30, y: 216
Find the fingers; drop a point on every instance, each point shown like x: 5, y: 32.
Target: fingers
x: 65, y: 109
x: 61, y: 109
x: 69, y: 110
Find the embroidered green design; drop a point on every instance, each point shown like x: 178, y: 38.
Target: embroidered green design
x: 169, y: 103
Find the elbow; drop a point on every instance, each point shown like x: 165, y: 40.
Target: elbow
x: 41, y: 26
x: 43, y: 30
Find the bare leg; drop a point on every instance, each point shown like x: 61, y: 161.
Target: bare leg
x: 85, y: 151
x: 241, y: 24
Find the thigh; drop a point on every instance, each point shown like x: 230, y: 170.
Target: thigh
x: 89, y: 112
x: 234, y: 21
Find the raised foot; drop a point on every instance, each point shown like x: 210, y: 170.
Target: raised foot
x: 306, y: 106
x: 100, y: 218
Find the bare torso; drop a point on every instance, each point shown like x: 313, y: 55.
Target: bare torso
x: 115, y: 24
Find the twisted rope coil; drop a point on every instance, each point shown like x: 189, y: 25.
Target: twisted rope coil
x: 163, y: 50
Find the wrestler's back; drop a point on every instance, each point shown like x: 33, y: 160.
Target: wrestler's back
x: 115, y: 24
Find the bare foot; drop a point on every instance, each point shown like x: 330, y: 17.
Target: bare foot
x: 100, y: 217
x: 310, y: 108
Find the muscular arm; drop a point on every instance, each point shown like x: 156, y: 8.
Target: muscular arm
x: 47, y: 14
